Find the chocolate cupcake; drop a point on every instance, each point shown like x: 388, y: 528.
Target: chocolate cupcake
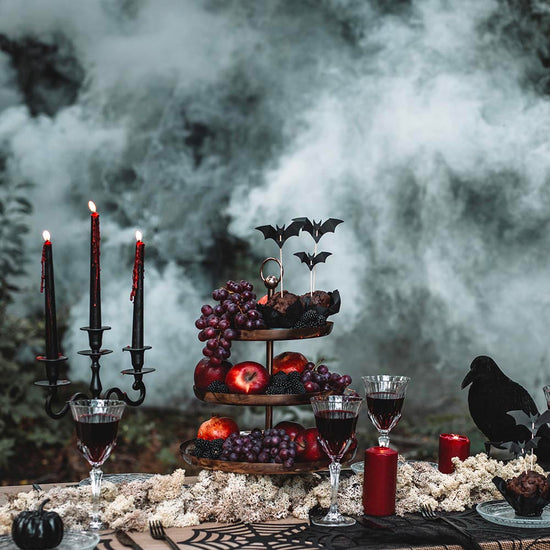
x: 527, y: 493
x: 281, y: 311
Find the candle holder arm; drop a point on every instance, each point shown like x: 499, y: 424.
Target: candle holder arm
x: 52, y: 393
x: 137, y: 357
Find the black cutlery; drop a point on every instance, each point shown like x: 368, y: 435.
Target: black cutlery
x: 125, y: 539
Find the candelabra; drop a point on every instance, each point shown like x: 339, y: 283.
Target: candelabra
x: 95, y: 338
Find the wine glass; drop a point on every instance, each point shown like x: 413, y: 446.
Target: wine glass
x: 385, y: 396
x: 336, y: 418
x: 96, y: 422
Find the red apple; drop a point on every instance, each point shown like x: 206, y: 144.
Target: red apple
x: 292, y: 429
x: 217, y: 428
x: 247, y: 377
x: 206, y: 373
x: 289, y: 361
x: 308, y: 448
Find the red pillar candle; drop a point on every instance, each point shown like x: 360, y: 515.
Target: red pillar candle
x: 137, y: 293
x: 47, y: 286
x: 95, y: 280
x: 379, y: 481
x: 451, y: 445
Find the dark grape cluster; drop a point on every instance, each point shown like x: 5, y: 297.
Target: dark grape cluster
x: 205, y: 448
x: 283, y: 383
x: 218, y: 387
x: 269, y: 446
x: 310, y: 318
x: 218, y: 324
x: 319, y: 378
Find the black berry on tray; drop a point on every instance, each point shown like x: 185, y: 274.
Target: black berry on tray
x: 205, y: 448
x: 283, y: 383
x: 218, y: 387
x: 310, y: 318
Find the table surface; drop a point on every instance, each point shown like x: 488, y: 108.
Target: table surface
x: 293, y: 534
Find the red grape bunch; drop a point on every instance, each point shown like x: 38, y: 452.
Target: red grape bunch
x: 218, y: 324
x: 269, y: 446
x: 320, y: 379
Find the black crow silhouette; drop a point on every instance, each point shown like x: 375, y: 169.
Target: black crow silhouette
x: 491, y: 396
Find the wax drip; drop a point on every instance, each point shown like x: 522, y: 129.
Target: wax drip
x: 43, y: 262
x: 96, y: 249
x: 135, y: 273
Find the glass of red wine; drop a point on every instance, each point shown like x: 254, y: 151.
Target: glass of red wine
x: 96, y: 422
x: 385, y: 396
x: 336, y: 418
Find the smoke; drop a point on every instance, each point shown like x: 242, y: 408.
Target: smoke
x: 422, y: 124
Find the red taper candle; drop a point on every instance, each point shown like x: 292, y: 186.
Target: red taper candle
x: 47, y: 286
x: 379, y: 481
x: 451, y: 445
x: 95, y: 279
x: 137, y: 293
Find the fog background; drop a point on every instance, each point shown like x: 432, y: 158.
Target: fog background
x: 423, y: 124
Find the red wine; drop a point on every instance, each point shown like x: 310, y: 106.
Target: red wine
x: 384, y: 409
x: 335, y: 430
x: 96, y: 435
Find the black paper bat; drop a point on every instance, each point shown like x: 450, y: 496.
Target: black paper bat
x: 318, y: 229
x: 531, y: 421
x: 280, y: 234
x: 312, y: 259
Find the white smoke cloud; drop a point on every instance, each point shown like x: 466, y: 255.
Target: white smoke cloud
x: 416, y: 126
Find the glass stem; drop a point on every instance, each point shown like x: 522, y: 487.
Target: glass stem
x: 384, y: 438
x: 334, y: 469
x: 96, y: 475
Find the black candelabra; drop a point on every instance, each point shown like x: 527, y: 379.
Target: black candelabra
x: 95, y: 338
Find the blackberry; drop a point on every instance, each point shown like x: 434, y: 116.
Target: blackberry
x: 276, y: 389
x: 297, y: 386
x: 310, y: 318
x: 201, y: 445
x: 279, y: 377
x: 207, y: 449
x: 218, y: 387
x: 215, y: 449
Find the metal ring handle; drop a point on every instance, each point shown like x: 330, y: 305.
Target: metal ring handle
x: 271, y: 281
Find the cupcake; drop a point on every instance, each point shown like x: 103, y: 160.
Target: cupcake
x: 527, y: 493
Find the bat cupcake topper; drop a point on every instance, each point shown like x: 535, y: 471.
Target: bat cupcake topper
x: 280, y: 235
x: 316, y: 230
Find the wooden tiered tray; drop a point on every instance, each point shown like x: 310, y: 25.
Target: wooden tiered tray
x: 271, y: 334
x: 257, y: 468
x: 257, y: 399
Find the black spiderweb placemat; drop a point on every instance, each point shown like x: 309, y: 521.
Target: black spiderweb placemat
x: 390, y: 533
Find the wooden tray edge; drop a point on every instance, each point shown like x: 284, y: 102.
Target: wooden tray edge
x: 249, y: 468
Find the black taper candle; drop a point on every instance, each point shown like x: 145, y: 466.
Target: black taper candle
x: 137, y: 293
x: 95, y: 279
x: 47, y: 286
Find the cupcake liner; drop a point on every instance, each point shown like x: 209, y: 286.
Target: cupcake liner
x: 293, y: 314
x: 524, y: 506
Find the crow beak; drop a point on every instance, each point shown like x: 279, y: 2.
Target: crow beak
x: 468, y: 379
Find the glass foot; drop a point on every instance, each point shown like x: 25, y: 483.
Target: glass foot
x: 96, y: 525
x: 333, y: 520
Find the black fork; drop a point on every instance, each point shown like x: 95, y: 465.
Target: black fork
x: 158, y: 533
x: 429, y: 514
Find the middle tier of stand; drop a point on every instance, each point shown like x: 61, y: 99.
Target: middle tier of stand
x: 268, y: 401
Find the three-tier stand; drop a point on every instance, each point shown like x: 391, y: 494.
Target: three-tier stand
x: 269, y: 336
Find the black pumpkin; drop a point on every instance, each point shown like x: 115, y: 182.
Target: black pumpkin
x: 38, y: 529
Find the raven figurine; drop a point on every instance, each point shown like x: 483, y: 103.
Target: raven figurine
x: 491, y: 396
